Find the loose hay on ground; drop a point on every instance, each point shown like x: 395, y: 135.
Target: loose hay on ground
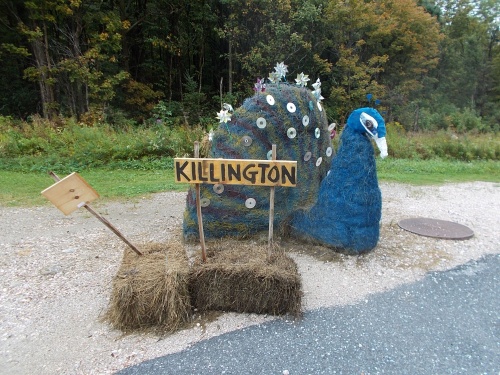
x: 151, y: 291
x: 241, y: 277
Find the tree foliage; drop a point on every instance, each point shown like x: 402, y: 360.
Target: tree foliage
x: 103, y: 60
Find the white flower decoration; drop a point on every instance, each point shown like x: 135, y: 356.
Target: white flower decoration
x: 281, y: 69
x: 274, y: 77
x: 223, y: 116
x: 302, y: 79
x: 228, y: 107
x: 317, y: 85
x: 211, y: 135
x: 259, y: 86
x: 317, y: 94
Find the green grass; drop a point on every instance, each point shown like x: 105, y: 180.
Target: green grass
x: 23, y: 188
x: 436, y: 171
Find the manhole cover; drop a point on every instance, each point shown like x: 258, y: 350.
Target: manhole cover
x: 436, y: 228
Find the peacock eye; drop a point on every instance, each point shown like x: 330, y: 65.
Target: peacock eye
x: 369, y: 125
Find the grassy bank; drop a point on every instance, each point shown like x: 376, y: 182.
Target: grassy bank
x: 130, y: 162
x: 436, y: 171
x: 23, y: 188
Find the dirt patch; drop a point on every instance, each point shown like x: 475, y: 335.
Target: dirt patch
x: 56, y: 273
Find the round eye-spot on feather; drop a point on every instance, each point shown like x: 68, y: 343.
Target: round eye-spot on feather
x: 246, y: 140
x: 331, y: 126
x: 317, y: 132
x: 204, y: 202
x: 270, y: 155
x: 250, y: 203
x: 261, y: 122
x: 291, y: 133
x: 307, y: 156
x: 270, y: 100
x: 305, y: 120
x: 291, y: 107
x: 329, y: 151
x: 319, y: 161
x: 218, y: 188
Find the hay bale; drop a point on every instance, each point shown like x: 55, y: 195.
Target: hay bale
x: 242, y: 278
x: 151, y: 291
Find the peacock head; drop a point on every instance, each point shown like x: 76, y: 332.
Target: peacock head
x: 369, y: 121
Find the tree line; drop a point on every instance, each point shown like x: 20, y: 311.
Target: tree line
x: 430, y: 64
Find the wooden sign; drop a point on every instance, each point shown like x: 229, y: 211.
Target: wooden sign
x: 236, y: 171
x: 70, y: 193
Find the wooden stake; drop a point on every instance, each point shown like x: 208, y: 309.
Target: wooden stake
x: 102, y: 220
x: 271, y: 211
x: 198, y: 209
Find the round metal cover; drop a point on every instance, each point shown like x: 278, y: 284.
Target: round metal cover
x: 291, y: 133
x: 307, y: 156
x: 305, y: 120
x: 270, y: 99
x: 218, y: 188
x: 247, y: 141
x: 204, y: 202
x: 436, y: 228
x: 261, y: 122
x: 250, y: 203
x: 291, y: 107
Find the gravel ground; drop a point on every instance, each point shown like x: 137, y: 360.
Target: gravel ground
x: 56, y: 272
x: 446, y: 324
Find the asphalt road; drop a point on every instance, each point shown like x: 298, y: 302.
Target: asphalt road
x: 447, y: 323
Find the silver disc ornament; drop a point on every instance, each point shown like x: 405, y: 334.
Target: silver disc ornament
x: 291, y: 133
x: 261, y: 122
x: 218, y: 188
x: 291, y: 107
x: 250, y: 203
x: 204, y: 202
x: 305, y: 120
x: 246, y: 140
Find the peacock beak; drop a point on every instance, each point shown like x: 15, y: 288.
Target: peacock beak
x: 382, y: 146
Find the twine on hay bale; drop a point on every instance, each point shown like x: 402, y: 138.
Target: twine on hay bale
x: 151, y: 291
x: 242, y: 278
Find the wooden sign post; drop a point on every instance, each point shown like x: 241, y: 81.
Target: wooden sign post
x: 73, y: 192
x: 235, y: 172
x: 198, y: 209
x: 271, y: 210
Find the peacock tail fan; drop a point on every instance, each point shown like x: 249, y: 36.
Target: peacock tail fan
x: 294, y: 120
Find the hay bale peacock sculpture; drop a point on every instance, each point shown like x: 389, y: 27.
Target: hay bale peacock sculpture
x: 334, y: 195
